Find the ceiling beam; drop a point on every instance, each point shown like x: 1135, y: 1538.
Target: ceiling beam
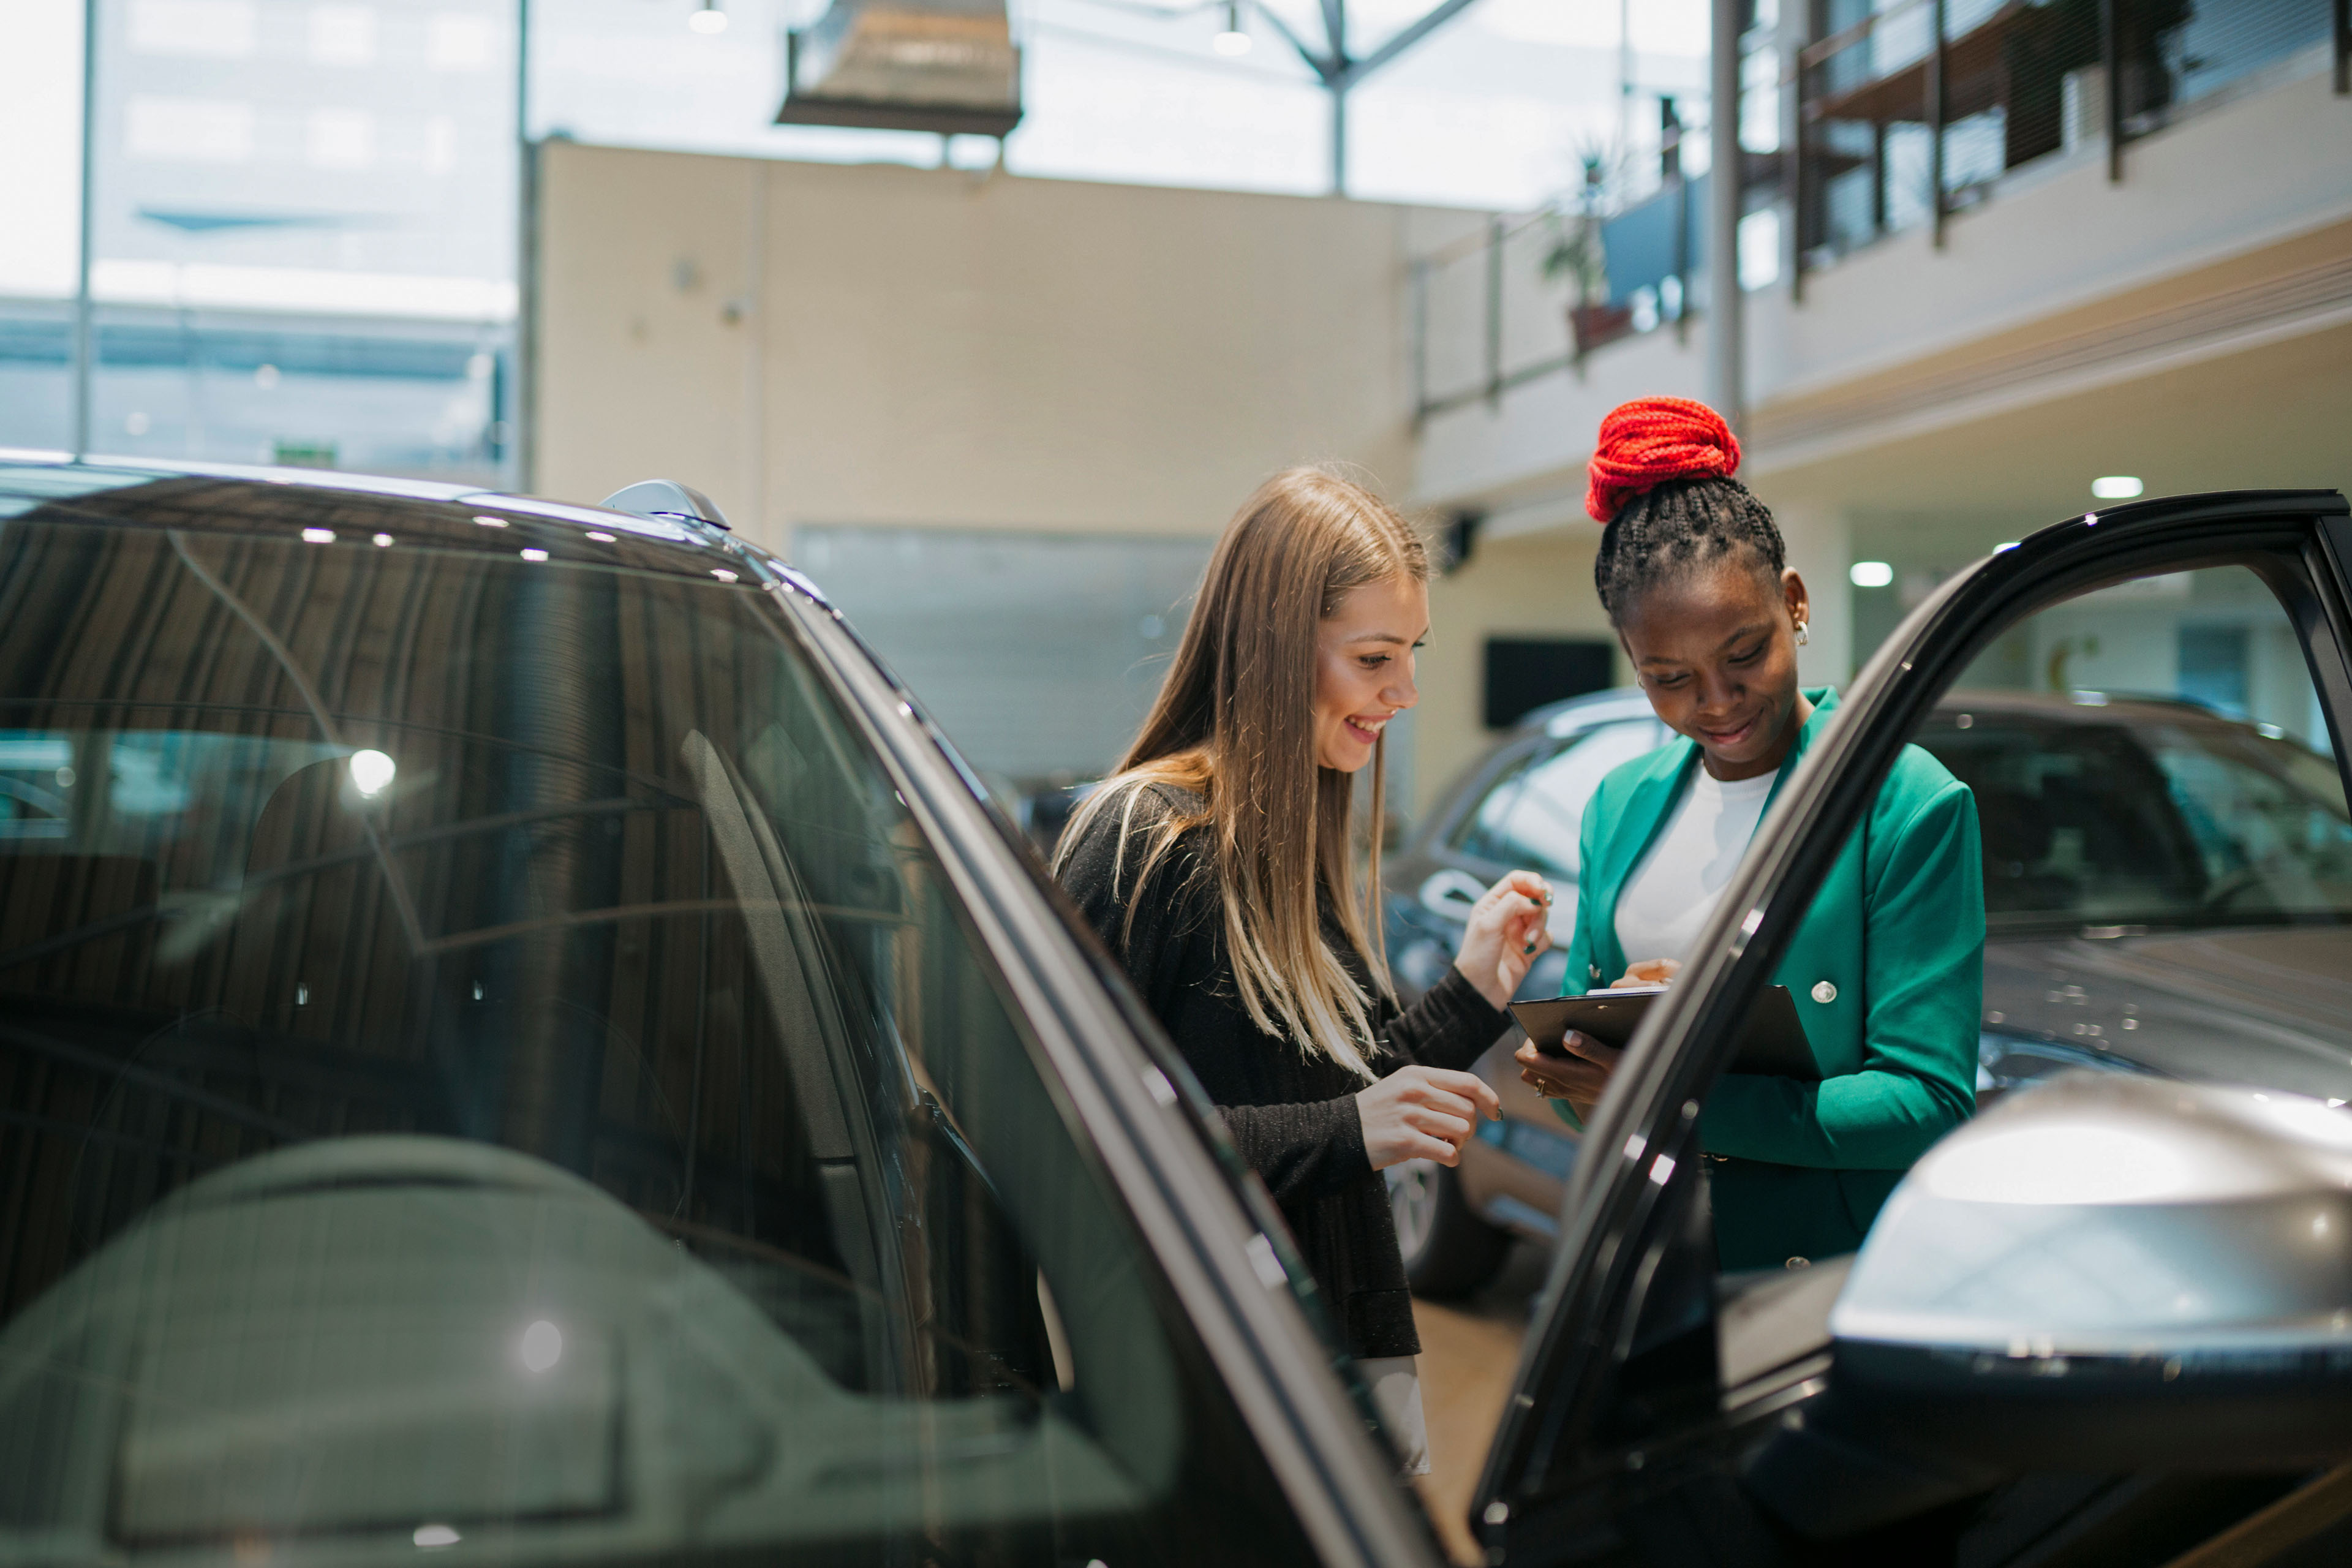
x: 1353, y: 71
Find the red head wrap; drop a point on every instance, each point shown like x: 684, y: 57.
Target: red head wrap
x: 1651, y: 440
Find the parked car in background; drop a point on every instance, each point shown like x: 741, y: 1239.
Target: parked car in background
x: 2168, y: 890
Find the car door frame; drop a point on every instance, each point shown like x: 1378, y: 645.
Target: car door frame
x: 1223, y: 1245
x: 1549, y: 1480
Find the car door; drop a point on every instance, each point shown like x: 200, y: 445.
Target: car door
x: 1648, y: 1383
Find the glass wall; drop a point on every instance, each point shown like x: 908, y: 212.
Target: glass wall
x: 303, y: 232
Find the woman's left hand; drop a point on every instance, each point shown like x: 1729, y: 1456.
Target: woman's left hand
x: 1579, y: 1077
x: 1505, y: 933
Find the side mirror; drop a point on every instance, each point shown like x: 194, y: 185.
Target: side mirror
x: 2109, y: 1272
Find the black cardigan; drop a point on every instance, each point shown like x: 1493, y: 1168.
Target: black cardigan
x: 1292, y: 1117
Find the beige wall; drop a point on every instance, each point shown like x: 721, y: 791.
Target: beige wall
x: 817, y: 343
x: 1537, y: 584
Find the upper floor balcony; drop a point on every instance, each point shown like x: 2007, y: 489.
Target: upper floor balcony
x: 1949, y: 203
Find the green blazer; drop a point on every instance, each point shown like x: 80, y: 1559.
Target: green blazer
x: 1887, y: 971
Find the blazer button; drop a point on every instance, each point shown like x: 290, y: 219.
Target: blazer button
x: 1795, y: 1264
x: 1825, y: 993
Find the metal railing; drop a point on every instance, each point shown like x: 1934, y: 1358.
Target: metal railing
x: 1912, y: 112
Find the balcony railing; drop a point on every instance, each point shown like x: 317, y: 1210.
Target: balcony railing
x: 1912, y: 112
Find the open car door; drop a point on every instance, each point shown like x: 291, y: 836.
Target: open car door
x: 1665, y: 1415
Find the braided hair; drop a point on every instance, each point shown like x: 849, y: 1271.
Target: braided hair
x: 1662, y: 485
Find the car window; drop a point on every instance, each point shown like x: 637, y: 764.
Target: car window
x: 487, y: 1056
x: 1532, y: 815
x: 2187, y: 790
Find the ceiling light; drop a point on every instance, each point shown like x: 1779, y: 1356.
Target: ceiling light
x: 1871, y: 573
x: 318, y: 535
x: 384, y: 541
x: 1233, y: 40
x: 370, y: 770
x: 543, y: 1345
x: 491, y: 522
x: 709, y: 19
x: 2117, y: 487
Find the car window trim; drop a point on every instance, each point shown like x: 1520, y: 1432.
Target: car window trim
x: 1616, y: 1200
x: 1273, y: 1363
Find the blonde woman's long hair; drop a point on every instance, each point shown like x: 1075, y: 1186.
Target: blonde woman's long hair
x: 1234, y: 725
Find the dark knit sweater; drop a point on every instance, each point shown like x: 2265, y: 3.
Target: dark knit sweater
x: 1292, y: 1117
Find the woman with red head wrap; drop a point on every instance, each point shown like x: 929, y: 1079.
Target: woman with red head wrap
x: 1887, y: 968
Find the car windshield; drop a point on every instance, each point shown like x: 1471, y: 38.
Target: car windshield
x: 2147, y: 814
x: 487, y: 1056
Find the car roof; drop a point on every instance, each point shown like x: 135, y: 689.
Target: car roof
x: 2082, y: 707
x: 1575, y: 713
x: 261, y: 503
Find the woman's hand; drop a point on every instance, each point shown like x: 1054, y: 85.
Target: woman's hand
x: 1505, y: 933
x: 1422, y: 1113
x: 1649, y: 972
x: 1578, y: 1077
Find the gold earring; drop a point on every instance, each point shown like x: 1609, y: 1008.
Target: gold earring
x: 1802, y: 638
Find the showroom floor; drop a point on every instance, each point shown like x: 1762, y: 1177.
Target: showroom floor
x: 1468, y: 1353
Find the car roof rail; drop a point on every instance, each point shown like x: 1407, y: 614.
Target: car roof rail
x: 668, y: 499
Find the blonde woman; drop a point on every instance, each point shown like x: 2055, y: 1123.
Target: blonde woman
x: 1217, y: 866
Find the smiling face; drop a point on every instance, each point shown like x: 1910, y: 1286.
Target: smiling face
x: 1363, y: 667
x: 1715, y: 650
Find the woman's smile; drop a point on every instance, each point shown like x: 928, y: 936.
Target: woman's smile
x: 1730, y: 735
x: 1363, y: 667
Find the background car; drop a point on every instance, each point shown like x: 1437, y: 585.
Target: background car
x: 2166, y: 889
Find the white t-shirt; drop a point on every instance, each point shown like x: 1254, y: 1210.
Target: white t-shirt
x: 1674, y: 890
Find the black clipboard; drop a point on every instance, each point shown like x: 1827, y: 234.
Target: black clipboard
x: 1771, y: 1039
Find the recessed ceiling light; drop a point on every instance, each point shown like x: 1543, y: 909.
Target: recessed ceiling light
x: 599, y: 538
x: 723, y: 574
x: 319, y: 536
x: 535, y: 555
x: 382, y: 540
x: 1871, y: 573
x: 2117, y: 487
x: 491, y: 522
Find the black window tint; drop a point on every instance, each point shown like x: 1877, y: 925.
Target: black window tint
x: 486, y: 1055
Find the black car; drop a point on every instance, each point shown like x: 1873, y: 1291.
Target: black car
x: 2166, y: 890
x: 518, y: 1039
